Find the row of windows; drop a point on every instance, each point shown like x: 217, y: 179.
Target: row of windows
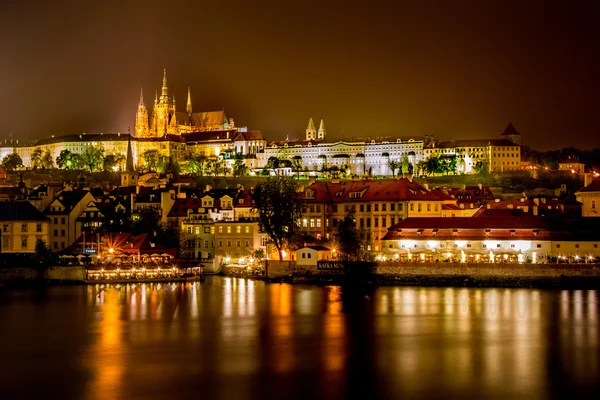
x: 313, y: 222
x: 62, y: 232
x: 62, y: 220
x: 24, y: 228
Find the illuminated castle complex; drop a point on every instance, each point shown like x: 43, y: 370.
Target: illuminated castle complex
x: 165, y: 120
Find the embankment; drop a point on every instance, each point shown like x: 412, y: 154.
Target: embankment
x: 455, y: 274
x: 25, y: 275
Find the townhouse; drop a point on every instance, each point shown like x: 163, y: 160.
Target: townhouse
x: 22, y: 226
x: 375, y: 205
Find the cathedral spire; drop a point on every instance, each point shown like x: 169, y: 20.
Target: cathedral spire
x: 155, y: 97
x: 165, y: 89
x: 129, y: 161
x: 322, y: 131
x: 311, y: 131
x: 188, y: 108
x: 141, y: 97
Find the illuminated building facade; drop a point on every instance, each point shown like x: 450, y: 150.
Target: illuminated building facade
x: 509, y: 238
x: 166, y: 120
x: 376, y: 205
x: 361, y: 157
x: 22, y: 226
x: 497, y: 155
x: 589, y: 196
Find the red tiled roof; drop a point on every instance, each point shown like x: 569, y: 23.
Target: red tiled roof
x: 246, y: 198
x: 252, y: 135
x: 368, y: 190
x: 181, y: 206
x: 592, y: 187
x: 477, y: 228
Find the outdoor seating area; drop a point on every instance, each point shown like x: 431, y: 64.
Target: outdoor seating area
x: 130, y: 271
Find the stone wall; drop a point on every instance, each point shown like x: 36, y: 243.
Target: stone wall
x: 25, y: 274
x: 66, y: 273
x: 487, y: 270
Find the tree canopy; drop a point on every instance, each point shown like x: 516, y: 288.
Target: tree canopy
x: 279, y: 208
x: 349, y: 239
x: 151, y: 158
x: 92, y: 158
x: 12, y: 162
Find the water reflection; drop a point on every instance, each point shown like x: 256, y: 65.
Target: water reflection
x: 229, y: 337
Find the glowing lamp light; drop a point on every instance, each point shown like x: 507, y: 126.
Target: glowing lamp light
x: 111, y: 250
x: 284, y: 253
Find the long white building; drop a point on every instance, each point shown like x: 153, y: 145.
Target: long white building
x: 362, y: 157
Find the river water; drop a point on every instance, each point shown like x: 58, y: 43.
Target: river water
x: 232, y: 338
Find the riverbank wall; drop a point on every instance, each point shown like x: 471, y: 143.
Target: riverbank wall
x: 19, y: 275
x: 452, y: 274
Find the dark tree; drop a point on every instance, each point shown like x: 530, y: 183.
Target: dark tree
x: 279, y: 207
x: 349, y: 238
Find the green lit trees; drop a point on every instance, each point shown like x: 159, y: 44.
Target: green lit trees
x: 151, y: 158
x: 36, y: 158
x: 12, y: 162
x: 239, y: 165
x: 92, y: 158
x: 47, y: 162
x: 196, y: 163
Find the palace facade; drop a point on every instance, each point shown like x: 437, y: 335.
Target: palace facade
x: 370, y: 156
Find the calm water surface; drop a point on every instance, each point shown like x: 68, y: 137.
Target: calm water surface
x: 232, y: 338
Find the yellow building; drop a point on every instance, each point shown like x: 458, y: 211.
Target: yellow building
x: 589, y: 196
x: 572, y: 166
x: 238, y: 239
x: 497, y: 155
x: 22, y: 226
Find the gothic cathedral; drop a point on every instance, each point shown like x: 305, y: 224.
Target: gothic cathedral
x: 165, y: 120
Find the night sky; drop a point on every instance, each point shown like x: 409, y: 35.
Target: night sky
x: 455, y: 69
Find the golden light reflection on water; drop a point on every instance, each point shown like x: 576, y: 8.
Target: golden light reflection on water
x: 108, y: 376
x: 488, y: 336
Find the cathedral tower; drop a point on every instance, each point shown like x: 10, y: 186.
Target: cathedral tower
x: 141, y: 118
x: 311, y: 131
x: 510, y: 133
x: 163, y: 115
x: 322, y: 132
